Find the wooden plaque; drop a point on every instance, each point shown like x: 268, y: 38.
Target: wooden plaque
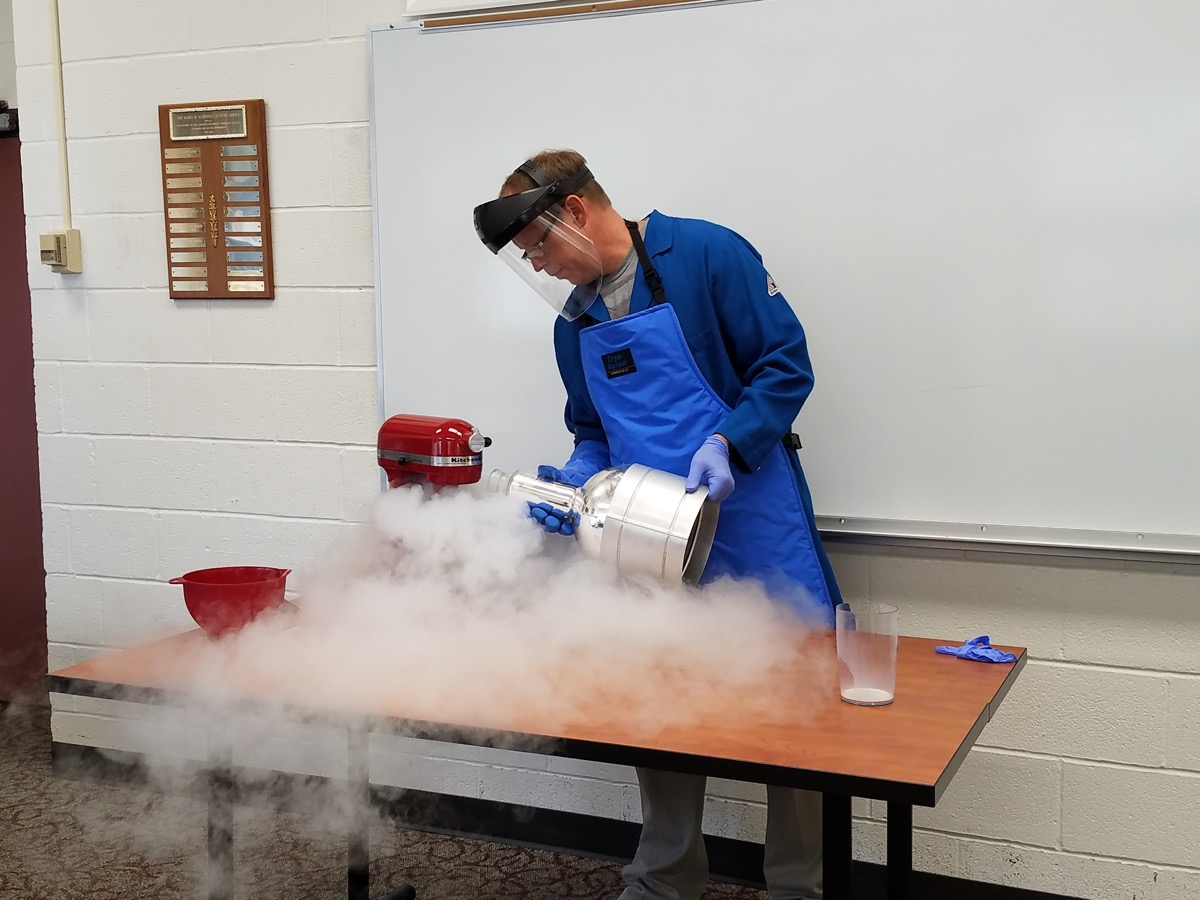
x: 216, y: 204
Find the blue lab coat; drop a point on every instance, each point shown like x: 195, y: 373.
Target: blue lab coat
x: 746, y: 344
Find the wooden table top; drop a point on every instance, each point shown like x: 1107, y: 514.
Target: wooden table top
x: 790, y: 731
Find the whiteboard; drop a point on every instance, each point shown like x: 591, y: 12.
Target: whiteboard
x: 986, y: 215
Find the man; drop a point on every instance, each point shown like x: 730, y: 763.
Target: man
x: 678, y: 352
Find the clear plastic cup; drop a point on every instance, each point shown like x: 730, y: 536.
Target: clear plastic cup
x: 867, y: 634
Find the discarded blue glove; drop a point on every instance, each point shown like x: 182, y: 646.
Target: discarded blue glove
x: 979, y: 649
x: 588, y: 459
x: 553, y: 519
x: 710, y: 466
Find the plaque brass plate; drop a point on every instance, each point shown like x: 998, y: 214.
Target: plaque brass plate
x: 216, y: 200
x: 211, y: 123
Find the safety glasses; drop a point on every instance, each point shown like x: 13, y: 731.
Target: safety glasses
x: 538, y: 250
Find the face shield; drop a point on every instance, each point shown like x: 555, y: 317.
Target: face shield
x: 539, y: 239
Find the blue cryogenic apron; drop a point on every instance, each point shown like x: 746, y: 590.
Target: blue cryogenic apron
x: 657, y: 409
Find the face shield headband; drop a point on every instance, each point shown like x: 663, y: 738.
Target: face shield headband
x: 559, y: 261
x: 498, y: 221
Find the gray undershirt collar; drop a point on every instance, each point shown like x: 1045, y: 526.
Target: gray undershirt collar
x: 616, y: 288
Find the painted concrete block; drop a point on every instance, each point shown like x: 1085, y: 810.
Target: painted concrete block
x: 932, y: 851
x: 164, y: 744
x: 190, y: 541
x: 1130, y: 813
x: 89, y: 84
x: 41, y: 180
x: 39, y: 117
x: 737, y: 819
x: 59, y: 656
x: 300, y: 327
x: 147, y: 326
x: 339, y: 95
x: 584, y: 769
x: 131, y: 161
x: 73, y: 609
x: 277, y: 746
x: 948, y: 598
x: 81, y: 23
x: 1138, y: 616
x: 277, y: 479
x: 729, y: 789
x: 1073, y: 875
x: 554, y: 791
x: 115, y: 542
x: 1084, y: 712
x: 56, y: 539
x: 302, y: 163
x: 213, y: 401
x: 66, y: 469
x: 852, y: 568
x: 351, y: 145
x: 121, y: 251
x: 356, y: 328
x: 157, y: 473
x: 328, y: 247
x: 350, y: 18
x: 60, y: 321
x: 360, y: 480
x: 1183, y: 723
x: 47, y: 396
x: 136, y: 612
x: 326, y: 405
x: 421, y: 773
x: 981, y: 800
x: 258, y: 24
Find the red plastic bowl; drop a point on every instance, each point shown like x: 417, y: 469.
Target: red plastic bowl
x: 224, y: 599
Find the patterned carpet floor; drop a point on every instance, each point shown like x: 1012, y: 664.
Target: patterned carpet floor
x: 68, y: 839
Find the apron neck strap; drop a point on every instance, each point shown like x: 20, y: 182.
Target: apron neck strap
x: 653, y: 281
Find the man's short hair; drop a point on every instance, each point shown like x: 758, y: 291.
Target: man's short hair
x: 558, y: 164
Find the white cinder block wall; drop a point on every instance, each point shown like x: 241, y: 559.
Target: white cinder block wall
x: 181, y: 434
x: 8, y: 60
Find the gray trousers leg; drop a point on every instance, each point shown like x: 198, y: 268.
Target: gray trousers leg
x: 671, y: 863
x: 792, y: 850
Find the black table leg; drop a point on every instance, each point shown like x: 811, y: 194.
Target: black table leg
x: 837, y: 849
x: 899, y: 850
x: 358, y: 850
x: 220, y: 818
x: 358, y: 836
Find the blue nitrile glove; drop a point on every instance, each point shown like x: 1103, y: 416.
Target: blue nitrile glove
x: 710, y: 466
x: 553, y: 519
x: 588, y: 459
x: 979, y: 649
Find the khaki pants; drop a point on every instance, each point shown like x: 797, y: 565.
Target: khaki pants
x: 671, y: 863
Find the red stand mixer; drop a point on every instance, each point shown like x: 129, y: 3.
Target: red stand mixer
x: 430, y: 450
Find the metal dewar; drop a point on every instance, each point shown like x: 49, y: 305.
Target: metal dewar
x: 639, y: 519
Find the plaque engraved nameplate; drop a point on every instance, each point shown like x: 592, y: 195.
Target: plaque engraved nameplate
x: 216, y: 200
x: 196, y: 123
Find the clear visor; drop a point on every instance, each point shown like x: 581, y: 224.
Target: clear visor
x: 558, y: 261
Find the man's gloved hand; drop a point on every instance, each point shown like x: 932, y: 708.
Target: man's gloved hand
x: 588, y: 459
x: 575, y: 476
x: 979, y: 649
x: 554, y: 520
x: 710, y: 466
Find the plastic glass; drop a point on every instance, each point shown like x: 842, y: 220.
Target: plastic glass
x: 867, y: 635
